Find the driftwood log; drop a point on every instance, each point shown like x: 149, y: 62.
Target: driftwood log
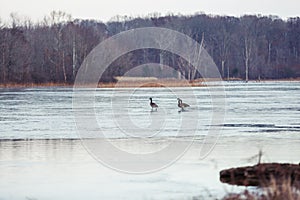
x: 262, y: 175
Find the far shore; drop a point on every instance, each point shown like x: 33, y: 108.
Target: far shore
x: 130, y: 84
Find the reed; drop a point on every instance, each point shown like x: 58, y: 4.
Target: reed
x: 276, y: 190
x: 119, y: 84
x: 31, y: 85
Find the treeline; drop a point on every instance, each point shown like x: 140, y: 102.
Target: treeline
x: 249, y: 47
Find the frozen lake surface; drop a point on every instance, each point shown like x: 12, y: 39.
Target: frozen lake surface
x: 42, y: 156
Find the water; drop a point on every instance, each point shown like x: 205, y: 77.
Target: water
x: 41, y: 156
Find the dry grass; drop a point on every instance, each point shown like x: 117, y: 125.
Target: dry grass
x: 133, y: 83
x: 30, y: 85
x: 275, y: 191
x: 283, y: 80
x: 152, y: 83
x: 120, y: 84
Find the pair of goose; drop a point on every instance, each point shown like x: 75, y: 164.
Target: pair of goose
x: 180, y: 104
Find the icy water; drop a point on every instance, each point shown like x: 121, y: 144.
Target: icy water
x: 42, y: 156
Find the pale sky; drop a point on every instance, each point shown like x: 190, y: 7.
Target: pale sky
x: 104, y: 10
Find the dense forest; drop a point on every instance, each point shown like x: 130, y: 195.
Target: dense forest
x: 52, y: 50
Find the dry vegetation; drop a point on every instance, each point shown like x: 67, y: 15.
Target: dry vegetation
x: 279, y: 185
x: 30, y: 85
x: 153, y: 83
x: 119, y: 84
x: 137, y: 83
x: 275, y: 191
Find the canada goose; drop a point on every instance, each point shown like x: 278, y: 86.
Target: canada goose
x: 152, y: 104
x: 182, y: 105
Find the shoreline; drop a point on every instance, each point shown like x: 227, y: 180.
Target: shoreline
x: 151, y: 84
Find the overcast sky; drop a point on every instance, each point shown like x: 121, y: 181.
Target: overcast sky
x: 104, y: 10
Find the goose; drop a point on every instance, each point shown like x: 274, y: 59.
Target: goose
x: 182, y: 105
x: 152, y: 104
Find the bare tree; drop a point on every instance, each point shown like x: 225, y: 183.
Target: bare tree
x: 248, y: 41
x: 186, y: 69
x: 226, y: 31
x: 248, y: 47
x: 57, y: 56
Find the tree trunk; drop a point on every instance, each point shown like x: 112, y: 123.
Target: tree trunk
x: 64, y: 67
x: 269, y: 53
x: 228, y: 72
x: 74, y: 58
x: 247, y: 57
x: 247, y: 69
x: 3, y: 66
x: 178, y: 74
x: 161, y: 60
x: 223, y: 67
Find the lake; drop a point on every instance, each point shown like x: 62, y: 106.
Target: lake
x: 49, y: 142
